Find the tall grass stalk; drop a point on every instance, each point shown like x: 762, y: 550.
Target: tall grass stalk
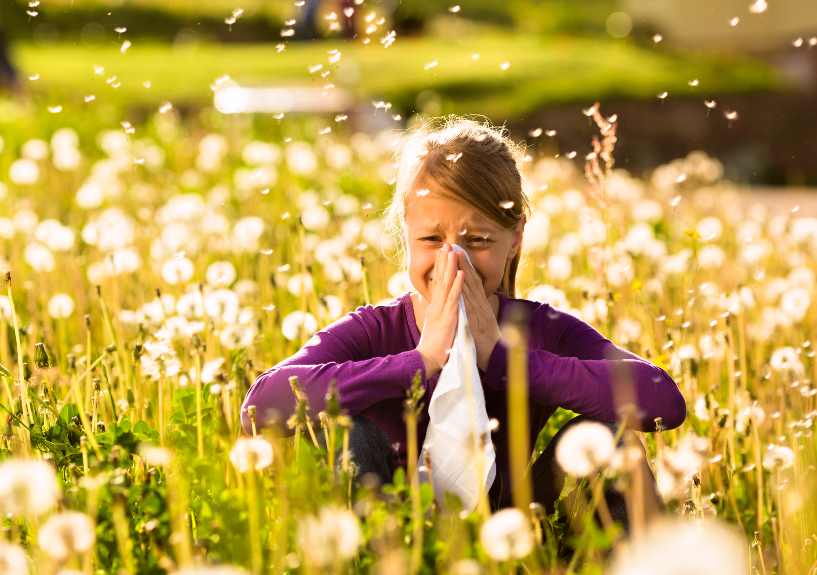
x: 516, y: 338
x: 21, y: 379
x: 411, y: 408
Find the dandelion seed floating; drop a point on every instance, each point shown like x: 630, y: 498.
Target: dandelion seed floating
x: 165, y: 108
x: 758, y: 7
x: 89, y: 98
x: 125, y: 46
x: 506, y: 205
x: 812, y: 42
x: 570, y: 155
x: 99, y: 70
x: 475, y: 56
x: 315, y: 68
x: 731, y: 115
x: 287, y: 33
x: 711, y: 104
x: 349, y: 11
x: 535, y: 133
x: 421, y: 193
x: 454, y: 157
x: 147, y: 84
x: 55, y: 109
x: 694, y: 82
x: 280, y: 47
x: 550, y: 133
x: 431, y: 65
x: 32, y: 13
x: 388, y: 39
x: 663, y: 95
x: 657, y: 38
x: 504, y: 65
x: 454, y: 9
x: 334, y: 56
x: 233, y: 18
x: 34, y: 77
x: 734, y: 21
x: 798, y: 42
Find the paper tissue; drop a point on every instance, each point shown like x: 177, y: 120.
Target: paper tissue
x: 459, y: 463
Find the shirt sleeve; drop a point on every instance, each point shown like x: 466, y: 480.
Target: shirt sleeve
x: 590, y: 375
x: 342, y: 352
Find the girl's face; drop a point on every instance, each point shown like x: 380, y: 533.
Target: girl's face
x: 432, y: 219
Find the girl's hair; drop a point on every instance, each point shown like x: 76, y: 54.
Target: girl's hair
x: 466, y: 160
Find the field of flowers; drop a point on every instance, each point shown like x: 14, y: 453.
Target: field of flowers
x: 151, y: 270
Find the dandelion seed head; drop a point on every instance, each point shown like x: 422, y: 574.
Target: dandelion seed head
x: 331, y: 537
x: 734, y: 21
x: 251, y: 453
x: 507, y: 535
x: 66, y: 534
x: 584, y: 448
x: 27, y: 487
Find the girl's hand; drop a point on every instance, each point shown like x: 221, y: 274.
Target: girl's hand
x: 440, y: 322
x: 481, y: 319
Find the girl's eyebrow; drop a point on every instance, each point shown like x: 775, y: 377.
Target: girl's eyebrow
x: 468, y: 227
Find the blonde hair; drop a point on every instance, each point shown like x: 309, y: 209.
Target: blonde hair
x: 469, y: 161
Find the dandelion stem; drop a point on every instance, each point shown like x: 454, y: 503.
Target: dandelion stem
x: 199, y: 430
x: 26, y: 437
x: 255, y: 534
x: 412, y: 455
x: 518, y: 428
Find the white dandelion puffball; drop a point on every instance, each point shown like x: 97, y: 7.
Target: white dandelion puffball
x: 301, y: 159
x: 221, y: 274
x: 24, y: 172
x: 786, y: 359
x: 507, y: 535
x: 584, y: 448
x: 65, y: 534
x: 28, y: 487
x: 177, y: 270
x: 155, y: 455
x: 247, y: 233
x: 298, y: 321
x: 60, y: 306
x: 334, y: 535
x: 684, y: 547
x: 778, y: 457
x: 251, y: 453
x: 39, y: 257
x: 13, y: 560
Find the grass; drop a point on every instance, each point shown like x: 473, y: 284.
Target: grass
x: 97, y: 389
x: 542, y: 71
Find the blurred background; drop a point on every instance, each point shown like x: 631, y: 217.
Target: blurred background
x: 734, y: 78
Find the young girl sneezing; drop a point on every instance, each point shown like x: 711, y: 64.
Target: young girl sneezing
x: 459, y: 183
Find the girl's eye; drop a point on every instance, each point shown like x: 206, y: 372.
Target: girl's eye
x: 480, y: 241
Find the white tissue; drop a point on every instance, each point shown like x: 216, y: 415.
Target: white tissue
x: 456, y: 411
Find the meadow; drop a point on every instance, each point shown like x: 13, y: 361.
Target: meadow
x: 154, y: 268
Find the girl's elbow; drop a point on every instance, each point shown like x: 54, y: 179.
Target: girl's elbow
x: 675, y: 406
x: 267, y: 402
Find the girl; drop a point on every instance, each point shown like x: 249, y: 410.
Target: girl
x: 460, y: 184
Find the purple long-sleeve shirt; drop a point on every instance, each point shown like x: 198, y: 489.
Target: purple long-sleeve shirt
x: 371, y: 352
